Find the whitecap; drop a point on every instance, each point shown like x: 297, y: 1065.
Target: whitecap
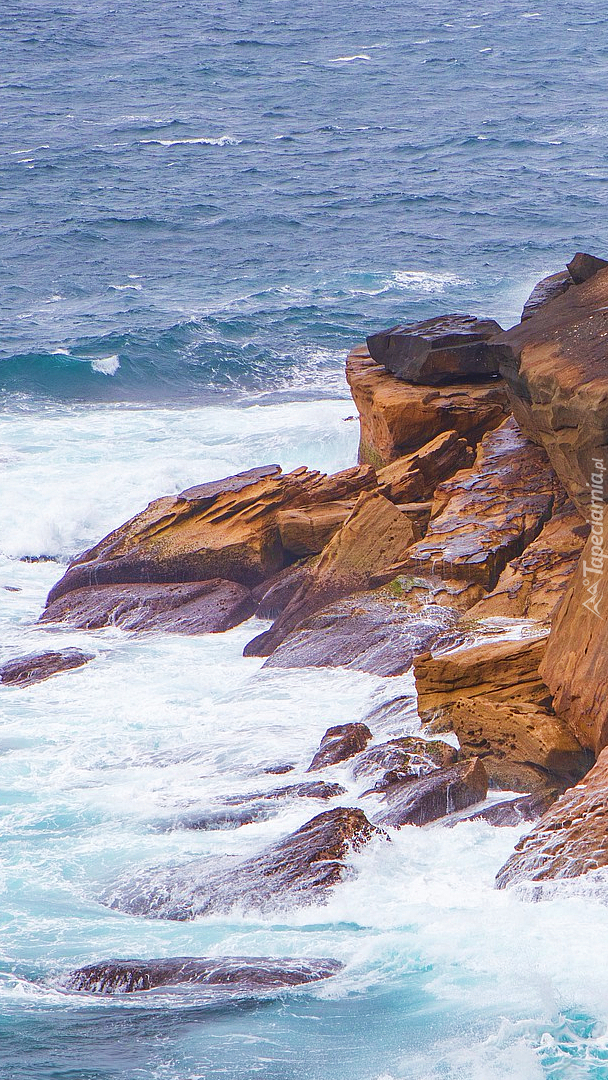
x: 347, y: 59
x: 489, y: 49
x: 423, y: 281
x: 32, y: 149
x: 121, y: 288
x: 106, y: 365
x: 224, y: 140
x: 531, y: 15
x: 60, y: 352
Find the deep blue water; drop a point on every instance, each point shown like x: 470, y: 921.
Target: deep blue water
x: 204, y: 206
x: 462, y: 156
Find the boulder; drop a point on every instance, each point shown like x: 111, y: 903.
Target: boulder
x: 571, y: 839
x: 397, y: 418
x: 191, y: 608
x: 524, y: 747
x: 485, y: 516
x: 533, y: 585
x: 544, y: 291
x: 504, y: 671
x: 584, y: 266
x: 418, y: 802
x: 340, y: 743
x: 405, y: 757
x: 244, y: 974
x: 574, y: 665
x: 373, y: 535
x: 226, y: 530
x: 25, y: 670
x: 443, y: 349
x: 373, y: 631
x: 415, y: 476
x: 555, y: 366
x: 300, y: 869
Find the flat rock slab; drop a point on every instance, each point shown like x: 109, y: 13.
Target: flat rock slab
x: 240, y: 973
x: 397, y: 417
x: 187, y: 608
x: 418, y: 802
x: 340, y: 743
x: 25, y: 670
x: 570, y: 839
x: 371, y: 632
x: 438, y: 350
x: 298, y: 870
x: 485, y: 516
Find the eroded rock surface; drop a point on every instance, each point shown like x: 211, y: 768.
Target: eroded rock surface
x: 240, y: 973
x: 415, y: 476
x: 418, y: 802
x: 25, y: 670
x: 443, y: 349
x: 340, y: 743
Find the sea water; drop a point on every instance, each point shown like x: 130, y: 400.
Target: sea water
x: 204, y: 207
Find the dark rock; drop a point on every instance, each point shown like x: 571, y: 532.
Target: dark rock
x: 340, y: 743
x: 583, y: 266
x: 438, y: 350
x: 300, y: 869
x: 241, y: 973
x: 280, y: 768
x: 24, y: 670
x: 273, y: 596
x: 193, y: 608
x: 547, y: 289
x: 307, y: 789
x: 407, y: 755
x: 375, y: 632
x: 205, y: 494
x: 417, y: 802
x: 512, y: 812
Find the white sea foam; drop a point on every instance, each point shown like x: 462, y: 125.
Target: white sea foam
x: 106, y: 365
x: 122, y: 288
x: 423, y: 281
x: 223, y: 140
x: 347, y: 59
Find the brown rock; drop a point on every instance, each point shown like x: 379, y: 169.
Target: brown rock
x: 373, y: 535
x: 417, y: 802
x: 574, y: 666
x: 198, y: 608
x: 374, y: 632
x: 24, y: 670
x: 555, y: 364
x: 546, y: 290
x: 534, y: 584
x: 397, y: 418
x: 583, y: 266
x: 443, y: 349
x: 227, y: 529
x: 300, y: 869
x: 570, y: 839
x: 485, y: 516
x: 239, y: 973
x: 416, y: 475
x: 407, y: 756
x: 308, y: 529
x: 340, y: 743
x: 523, y: 746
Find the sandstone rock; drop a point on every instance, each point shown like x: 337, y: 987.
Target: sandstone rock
x: 523, y: 746
x: 574, y: 666
x: 193, y: 608
x: 584, y: 266
x: 372, y: 631
x: 397, y: 418
x: 240, y: 973
x: 570, y: 839
x: 418, y: 802
x: 505, y: 671
x: 430, y: 590
x: 442, y: 349
x: 25, y: 670
x: 307, y: 529
x: 485, y: 516
x: 227, y: 530
x: 555, y: 365
x: 546, y: 290
x: 300, y: 869
x: 340, y: 743
x: 416, y: 475
x: 373, y: 535
x: 534, y: 584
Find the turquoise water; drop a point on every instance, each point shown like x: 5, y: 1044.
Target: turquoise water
x: 204, y: 207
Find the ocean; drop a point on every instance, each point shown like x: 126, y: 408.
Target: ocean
x: 204, y: 207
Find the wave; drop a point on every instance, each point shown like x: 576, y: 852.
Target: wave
x: 223, y: 140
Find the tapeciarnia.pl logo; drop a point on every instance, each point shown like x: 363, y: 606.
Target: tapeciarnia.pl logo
x: 594, y: 570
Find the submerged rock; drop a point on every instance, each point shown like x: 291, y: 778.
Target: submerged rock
x: 418, y: 802
x: 571, y: 839
x: 186, y: 608
x: 340, y: 743
x: 442, y: 349
x: 241, y: 973
x: 24, y: 670
x: 511, y: 812
x: 300, y: 869
x: 397, y: 417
